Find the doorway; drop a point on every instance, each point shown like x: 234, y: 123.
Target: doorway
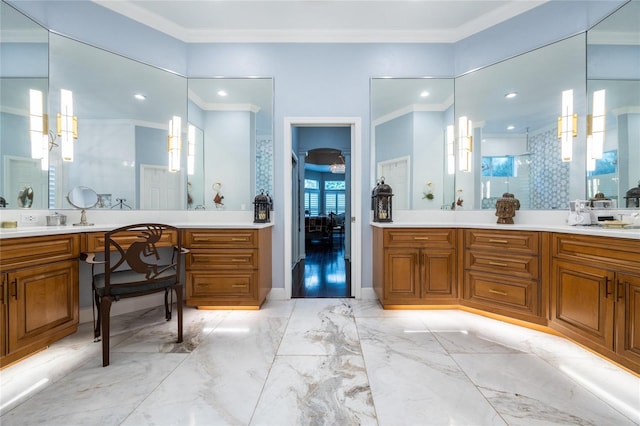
x: 324, y: 265
x: 297, y: 244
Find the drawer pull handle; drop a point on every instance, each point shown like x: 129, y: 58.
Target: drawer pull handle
x: 237, y: 260
x: 420, y: 238
x: 501, y: 293
x: 492, y: 263
x: 499, y: 241
x: 239, y: 239
x: 238, y: 285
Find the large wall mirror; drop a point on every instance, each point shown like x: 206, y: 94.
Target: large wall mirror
x: 412, y: 139
x: 23, y: 99
x: 232, y: 123
x: 124, y: 112
x: 613, y: 88
x: 508, y: 114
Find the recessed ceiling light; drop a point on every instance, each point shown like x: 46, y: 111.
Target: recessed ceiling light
x: 511, y: 95
x: 140, y: 96
x: 424, y: 94
x: 511, y: 127
x: 222, y: 93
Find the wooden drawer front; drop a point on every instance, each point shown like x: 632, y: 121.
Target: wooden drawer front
x: 619, y: 251
x: 221, y: 238
x: 512, y: 265
x: 512, y: 241
x: 513, y: 294
x: 224, y: 283
x: 418, y: 237
x: 32, y: 251
x: 223, y: 259
x: 94, y: 241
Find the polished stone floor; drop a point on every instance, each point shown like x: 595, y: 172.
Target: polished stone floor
x: 318, y: 362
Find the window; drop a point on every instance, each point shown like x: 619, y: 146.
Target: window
x: 334, y: 196
x: 498, y: 166
x: 312, y: 197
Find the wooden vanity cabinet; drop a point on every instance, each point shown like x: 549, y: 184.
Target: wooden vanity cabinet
x: 228, y: 268
x: 595, y: 294
x: 415, y: 266
x: 502, y: 273
x: 39, y: 293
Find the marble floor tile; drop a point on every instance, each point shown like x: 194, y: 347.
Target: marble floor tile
x: 318, y: 361
x: 316, y: 390
x: 525, y: 390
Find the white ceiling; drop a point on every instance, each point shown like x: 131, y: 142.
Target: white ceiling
x: 320, y: 20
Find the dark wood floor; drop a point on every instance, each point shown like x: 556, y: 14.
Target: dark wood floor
x: 324, y: 272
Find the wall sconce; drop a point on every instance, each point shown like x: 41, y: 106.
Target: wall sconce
x: 595, y: 127
x: 175, y: 143
x: 67, y: 125
x: 451, y: 155
x: 465, y: 143
x: 339, y: 168
x: 567, y: 125
x: 191, y: 149
x: 38, y: 129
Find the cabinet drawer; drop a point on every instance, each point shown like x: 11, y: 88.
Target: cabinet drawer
x: 221, y: 238
x: 419, y: 237
x: 603, y: 250
x: 512, y: 241
x: 513, y: 265
x: 502, y: 292
x: 94, y: 241
x: 222, y: 259
x: 30, y: 251
x: 224, y: 283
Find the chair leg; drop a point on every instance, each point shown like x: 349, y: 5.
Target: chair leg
x: 105, y: 310
x: 178, y: 289
x: 167, y: 308
x: 96, y: 326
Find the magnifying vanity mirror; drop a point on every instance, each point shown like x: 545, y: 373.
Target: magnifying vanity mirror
x: 82, y: 198
x: 25, y: 198
x: 411, y: 132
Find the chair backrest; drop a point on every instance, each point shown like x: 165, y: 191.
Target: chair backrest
x: 132, y: 256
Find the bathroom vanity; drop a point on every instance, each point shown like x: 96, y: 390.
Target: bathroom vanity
x: 579, y: 283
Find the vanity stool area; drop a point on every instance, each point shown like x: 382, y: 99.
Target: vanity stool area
x: 579, y: 283
x: 226, y: 268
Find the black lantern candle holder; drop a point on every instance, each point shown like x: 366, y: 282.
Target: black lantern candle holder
x: 261, y: 208
x: 381, y: 201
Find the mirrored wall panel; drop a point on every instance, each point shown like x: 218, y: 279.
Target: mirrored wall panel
x: 613, y: 88
x: 507, y: 127
x: 118, y: 126
x: 24, y: 49
x: 232, y: 120
x: 412, y: 123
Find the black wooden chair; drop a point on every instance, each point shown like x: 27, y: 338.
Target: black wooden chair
x: 134, y: 267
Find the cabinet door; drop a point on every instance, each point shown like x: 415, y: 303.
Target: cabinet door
x: 438, y: 274
x: 42, y: 301
x: 402, y: 274
x: 582, y: 301
x: 628, y: 319
x: 3, y: 314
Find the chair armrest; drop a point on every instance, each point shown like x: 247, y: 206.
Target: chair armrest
x: 91, y: 258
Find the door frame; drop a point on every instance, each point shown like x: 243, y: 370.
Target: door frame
x: 355, y: 123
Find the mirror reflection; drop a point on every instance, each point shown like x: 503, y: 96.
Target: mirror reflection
x: 411, y: 132
x: 83, y: 198
x: 232, y: 121
x: 613, y: 87
x: 23, y: 100
x: 507, y: 129
x: 116, y: 116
